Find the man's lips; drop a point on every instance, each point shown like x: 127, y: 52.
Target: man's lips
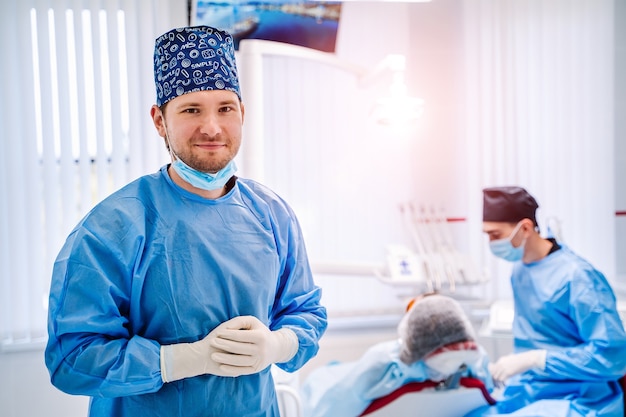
x: 211, y: 146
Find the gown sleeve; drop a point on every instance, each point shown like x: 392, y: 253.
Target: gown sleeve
x: 91, y: 349
x: 600, y: 354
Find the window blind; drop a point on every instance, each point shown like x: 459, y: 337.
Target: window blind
x: 75, y: 114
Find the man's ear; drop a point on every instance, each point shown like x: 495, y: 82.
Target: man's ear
x: 527, y: 225
x: 157, y: 119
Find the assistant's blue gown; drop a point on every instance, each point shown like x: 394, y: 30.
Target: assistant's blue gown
x: 564, y: 305
x: 154, y: 265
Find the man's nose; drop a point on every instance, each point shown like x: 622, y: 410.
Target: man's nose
x: 210, y: 125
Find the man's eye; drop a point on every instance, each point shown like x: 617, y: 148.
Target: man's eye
x: 190, y: 111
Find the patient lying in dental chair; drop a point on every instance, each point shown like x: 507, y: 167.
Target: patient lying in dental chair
x: 436, y: 343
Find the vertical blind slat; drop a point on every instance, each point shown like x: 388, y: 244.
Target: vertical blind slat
x: 82, y: 120
x: 136, y: 112
x: 116, y: 136
x: 99, y: 66
x: 7, y: 28
x: 49, y: 177
x: 65, y: 117
x: 9, y: 113
x: 34, y: 253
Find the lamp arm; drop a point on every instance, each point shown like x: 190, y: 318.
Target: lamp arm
x: 260, y: 47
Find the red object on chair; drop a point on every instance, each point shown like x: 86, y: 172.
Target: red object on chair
x: 622, y: 383
x: 419, y: 386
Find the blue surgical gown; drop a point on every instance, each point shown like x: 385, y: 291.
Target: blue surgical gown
x: 564, y: 305
x: 153, y: 265
x: 346, y: 389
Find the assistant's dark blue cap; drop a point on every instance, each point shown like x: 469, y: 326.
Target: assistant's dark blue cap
x: 192, y: 59
x: 508, y: 204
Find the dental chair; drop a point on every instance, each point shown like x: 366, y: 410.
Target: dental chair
x: 286, y: 385
x: 622, y: 383
x: 431, y: 399
x: 455, y: 396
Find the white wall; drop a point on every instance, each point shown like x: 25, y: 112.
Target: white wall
x: 436, y: 74
x: 25, y: 389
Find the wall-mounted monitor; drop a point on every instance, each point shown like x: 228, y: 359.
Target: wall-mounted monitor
x: 312, y: 24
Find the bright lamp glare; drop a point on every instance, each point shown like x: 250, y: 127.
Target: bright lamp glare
x: 398, y: 111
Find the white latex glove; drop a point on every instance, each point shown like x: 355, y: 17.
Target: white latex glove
x: 185, y: 360
x: 516, y: 363
x: 248, y: 346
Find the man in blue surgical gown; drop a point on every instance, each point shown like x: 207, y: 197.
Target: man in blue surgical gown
x: 569, y: 342
x: 175, y: 294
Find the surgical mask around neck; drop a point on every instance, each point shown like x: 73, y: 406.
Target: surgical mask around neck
x: 504, y: 249
x: 204, y: 180
x: 199, y: 179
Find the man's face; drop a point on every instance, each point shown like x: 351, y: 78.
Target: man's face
x: 203, y: 128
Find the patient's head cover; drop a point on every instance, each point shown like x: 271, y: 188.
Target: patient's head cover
x: 436, y: 330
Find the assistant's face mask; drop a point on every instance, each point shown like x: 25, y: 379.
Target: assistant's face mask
x: 503, y: 248
x: 442, y: 365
